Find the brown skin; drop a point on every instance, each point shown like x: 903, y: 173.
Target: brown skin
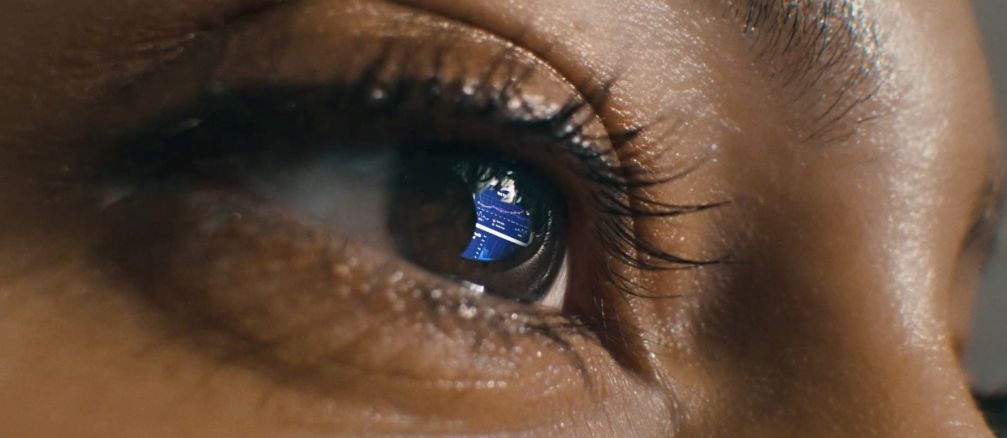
x: 842, y: 312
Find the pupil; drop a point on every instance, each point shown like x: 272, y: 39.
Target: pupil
x: 502, y: 225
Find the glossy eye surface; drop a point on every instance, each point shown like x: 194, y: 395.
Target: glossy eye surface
x: 491, y: 224
x: 459, y: 208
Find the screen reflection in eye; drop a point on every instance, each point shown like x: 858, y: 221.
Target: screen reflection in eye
x: 502, y: 224
x: 491, y: 223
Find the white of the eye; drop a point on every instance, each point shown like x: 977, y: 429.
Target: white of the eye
x: 347, y: 193
x: 556, y: 295
x: 351, y: 194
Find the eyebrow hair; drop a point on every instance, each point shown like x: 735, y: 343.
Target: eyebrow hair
x: 820, y: 44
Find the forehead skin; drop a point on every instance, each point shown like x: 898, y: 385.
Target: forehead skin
x: 838, y: 315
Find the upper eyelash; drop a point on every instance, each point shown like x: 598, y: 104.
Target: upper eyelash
x: 615, y: 176
x: 617, y: 185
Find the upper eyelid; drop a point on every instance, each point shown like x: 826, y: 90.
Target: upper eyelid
x: 569, y: 123
x: 619, y: 197
x: 577, y: 114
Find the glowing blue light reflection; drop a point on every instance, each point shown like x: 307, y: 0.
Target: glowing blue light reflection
x: 502, y: 224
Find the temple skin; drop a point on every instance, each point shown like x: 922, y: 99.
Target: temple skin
x: 851, y: 232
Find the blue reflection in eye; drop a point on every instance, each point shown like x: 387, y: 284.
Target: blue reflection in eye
x: 502, y: 224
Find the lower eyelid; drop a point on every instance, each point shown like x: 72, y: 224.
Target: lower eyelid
x: 328, y: 317
x: 306, y: 300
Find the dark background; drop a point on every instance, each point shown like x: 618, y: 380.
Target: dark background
x: 988, y: 355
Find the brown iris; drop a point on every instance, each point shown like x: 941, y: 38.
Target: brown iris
x: 433, y: 218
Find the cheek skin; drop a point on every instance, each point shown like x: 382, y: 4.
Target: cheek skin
x: 82, y: 358
x: 81, y: 361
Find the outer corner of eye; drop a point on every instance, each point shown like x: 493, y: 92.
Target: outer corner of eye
x: 555, y: 296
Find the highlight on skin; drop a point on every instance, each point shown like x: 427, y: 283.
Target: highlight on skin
x: 516, y: 217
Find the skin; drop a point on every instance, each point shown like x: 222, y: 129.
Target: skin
x: 842, y: 312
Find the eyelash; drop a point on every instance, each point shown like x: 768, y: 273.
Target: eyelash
x: 614, y: 187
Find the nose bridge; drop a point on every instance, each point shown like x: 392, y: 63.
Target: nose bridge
x: 909, y: 390
x: 848, y: 358
x: 884, y: 358
x: 870, y: 385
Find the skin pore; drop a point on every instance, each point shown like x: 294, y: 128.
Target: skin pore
x: 849, y: 151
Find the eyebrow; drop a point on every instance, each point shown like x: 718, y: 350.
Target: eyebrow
x: 819, y: 45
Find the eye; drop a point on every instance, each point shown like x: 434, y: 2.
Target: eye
x: 491, y: 224
x: 427, y: 215
x: 432, y: 170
